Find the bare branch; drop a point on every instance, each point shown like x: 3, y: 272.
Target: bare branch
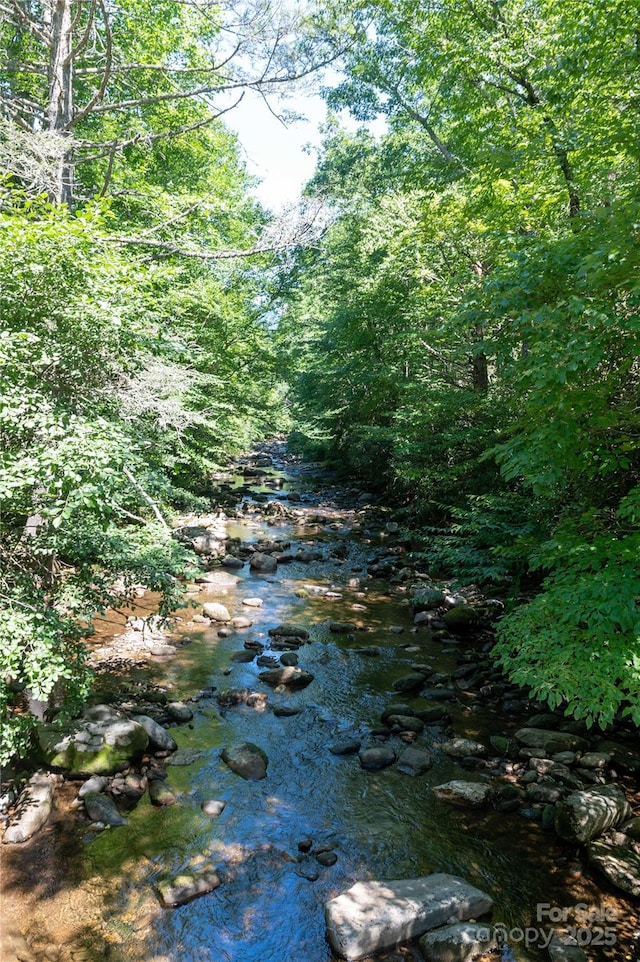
x: 100, y: 92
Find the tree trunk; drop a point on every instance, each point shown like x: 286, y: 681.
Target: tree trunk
x: 60, y: 109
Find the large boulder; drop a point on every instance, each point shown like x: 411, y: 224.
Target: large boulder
x: 101, y: 742
x: 247, y: 760
x: 585, y: 815
x: 461, y: 619
x: 263, y: 563
x: 159, y: 737
x: 373, y: 916
x: 616, y: 857
x: 551, y: 742
x: 33, y: 809
x: 216, y: 611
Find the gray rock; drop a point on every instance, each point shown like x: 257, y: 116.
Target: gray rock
x: 544, y: 793
x: 463, y: 794
x: 286, y: 711
x: 159, y: 737
x: 102, y: 808
x: 253, y: 602
x: 587, y: 814
x: 551, y: 742
x: 596, y: 760
x: 241, y: 622
x: 427, y: 599
x: 372, y: 916
x: 409, y: 682
x: 230, y: 561
x: 213, y: 807
x: 564, y: 948
x: 341, y: 627
x: 326, y: 858
x: 114, y: 741
x: 216, y: 612
x: 461, y: 619
x: 263, y: 563
x: 247, y: 760
x: 243, y: 657
x: 464, y: 748
x: 459, y: 942
x: 346, y: 746
x: 405, y: 723
x: 374, y: 759
x: 160, y: 794
x: 187, y: 886
x: 33, y: 809
x: 415, y: 761
x: 289, y: 659
x: 222, y: 579
x: 289, y: 631
x: 617, y: 860
x: 97, y: 783
x: 290, y: 677
x: 179, y: 711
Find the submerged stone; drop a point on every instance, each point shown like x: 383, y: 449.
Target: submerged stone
x: 247, y: 760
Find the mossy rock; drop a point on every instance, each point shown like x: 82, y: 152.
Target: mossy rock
x: 89, y: 747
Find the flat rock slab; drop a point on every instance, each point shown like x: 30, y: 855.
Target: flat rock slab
x: 463, y: 794
x: 585, y: 815
x: 552, y: 742
x: 459, y: 942
x: 183, y: 888
x: 372, y: 916
x: 33, y: 809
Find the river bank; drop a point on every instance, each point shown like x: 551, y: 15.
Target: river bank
x: 390, y: 670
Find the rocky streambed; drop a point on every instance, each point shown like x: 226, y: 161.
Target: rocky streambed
x: 321, y: 729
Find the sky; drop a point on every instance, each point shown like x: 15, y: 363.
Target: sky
x: 276, y: 153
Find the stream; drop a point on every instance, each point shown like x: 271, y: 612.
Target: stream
x: 84, y: 894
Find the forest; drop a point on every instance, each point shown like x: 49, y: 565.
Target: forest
x: 459, y: 329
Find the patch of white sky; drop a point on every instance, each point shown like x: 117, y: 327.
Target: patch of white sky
x: 283, y: 155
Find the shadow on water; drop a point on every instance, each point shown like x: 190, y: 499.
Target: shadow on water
x: 269, y: 906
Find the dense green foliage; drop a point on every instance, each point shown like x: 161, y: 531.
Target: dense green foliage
x: 468, y: 333
x: 132, y: 354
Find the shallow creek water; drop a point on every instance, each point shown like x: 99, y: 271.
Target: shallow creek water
x: 93, y: 894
